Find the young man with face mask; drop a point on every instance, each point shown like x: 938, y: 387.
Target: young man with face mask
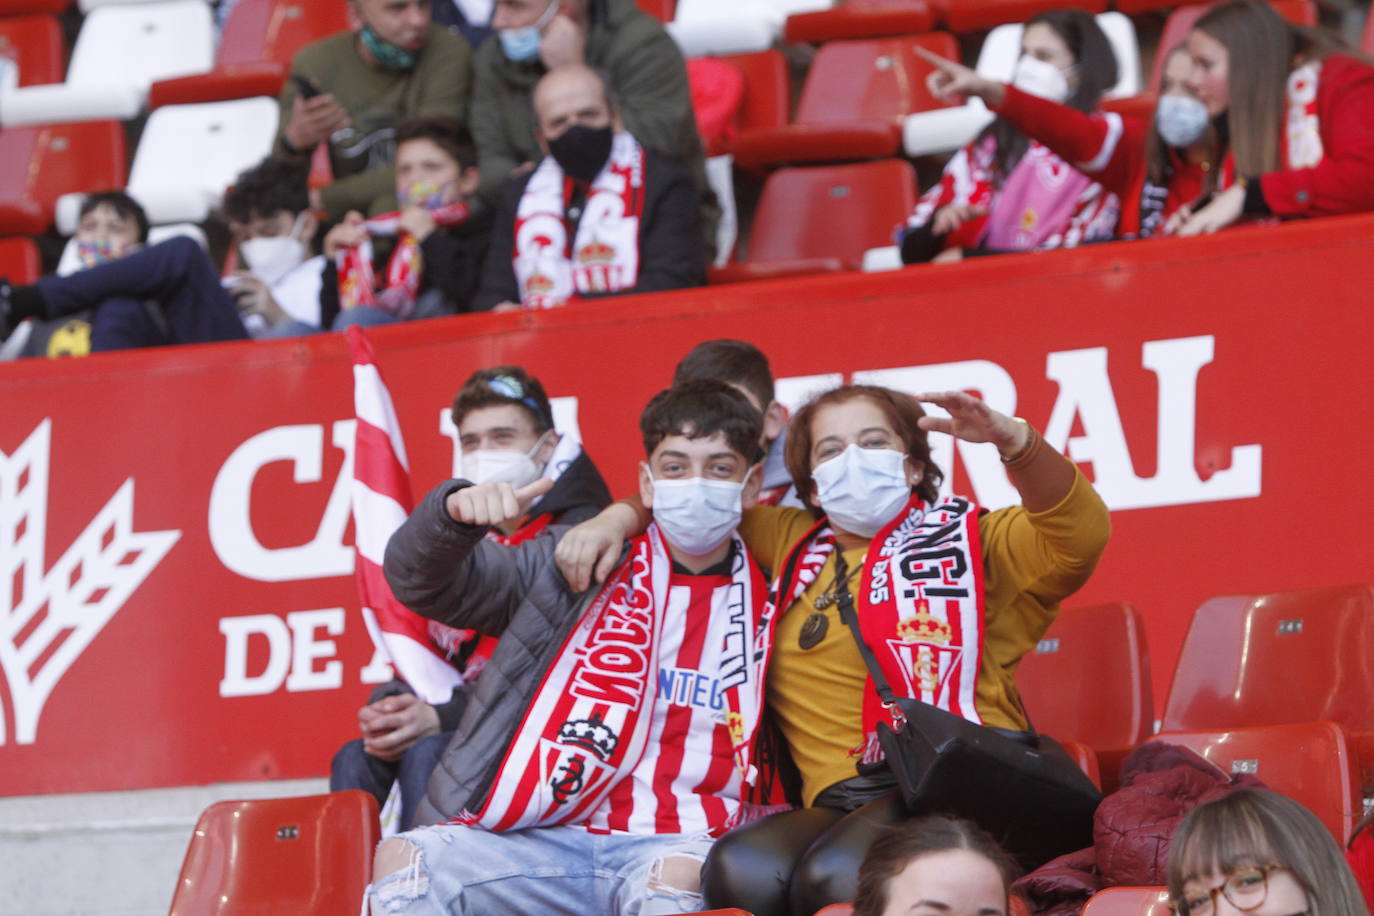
x: 350, y: 91
x: 611, y: 734
x: 506, y: 434
x: 598, y: 215
x: 424, y: 259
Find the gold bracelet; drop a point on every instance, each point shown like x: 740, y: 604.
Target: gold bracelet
x: 1023, y: 450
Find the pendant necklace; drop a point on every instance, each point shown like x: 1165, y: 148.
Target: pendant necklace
x: 813, y: 630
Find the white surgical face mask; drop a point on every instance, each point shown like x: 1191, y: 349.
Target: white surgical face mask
x: 696, y: 515
x: 523, y: 43
x: 272, y: 257
x: 1039, y: 78
x: 495, y: 465
x: 862, y: 489
x: 1181, y: 119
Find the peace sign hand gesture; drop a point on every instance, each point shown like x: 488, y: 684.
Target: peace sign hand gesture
x: 953, y: 82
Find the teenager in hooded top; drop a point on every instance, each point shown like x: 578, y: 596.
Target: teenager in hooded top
x: 506, y: 434
x: 1006, y: 192
x: 610, y: 736
x: 958, y: 594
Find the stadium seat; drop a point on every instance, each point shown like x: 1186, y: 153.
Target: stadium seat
x: 1310, y: 762
x: 818, y: 219
x: 34, y: 43
x: 836, y: 909
x: 119, y: 53
x: 767, y: 93
x: 856, y: 98
x: 1086, y: 758
x: 662, y: 10
x: 255, y: 51
x: 860, y: 19
x: 1102, y: 645
x: 1180, y: 23
x: 1367, y: 45
x: 19, y: 260
x: 1129, y: 901
x: 1292, y: 656
x: 19, y: 7
x: 705, y: 27
x: 280, y: 855
x: 941, y: 131
x: 48, y: 161
x: 974, y: 15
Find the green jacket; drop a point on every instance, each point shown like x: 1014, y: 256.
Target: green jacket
x: 376, y: 100
x: 647, y: 73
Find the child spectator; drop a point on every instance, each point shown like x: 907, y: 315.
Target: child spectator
x: 599, y: 215
x: 1004, y: 191
x: 439, y: 236
x: 610, y: 735
x: 935, y: 865
x: 506, y: 432
x: 350, y: 90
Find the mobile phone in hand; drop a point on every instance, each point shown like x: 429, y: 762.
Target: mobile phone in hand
x: 304, y: 87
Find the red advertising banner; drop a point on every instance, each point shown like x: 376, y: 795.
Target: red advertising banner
x: 176, y: 589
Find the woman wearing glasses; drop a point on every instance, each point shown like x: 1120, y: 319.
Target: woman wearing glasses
x: 1260, y: 853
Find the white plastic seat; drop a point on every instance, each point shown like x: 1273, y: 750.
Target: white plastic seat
x: 120, y: 52
x: 888, y: 257
x: 188, y: 156
x: 88, y: 5
x: 707, y: 27
x: 943, y: 130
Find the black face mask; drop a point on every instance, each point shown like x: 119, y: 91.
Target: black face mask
x: 582, y: 150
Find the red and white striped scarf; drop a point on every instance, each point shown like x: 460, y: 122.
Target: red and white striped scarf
x: 381, y: 502
x: 403, y: 271
x: 920, y: 606
x: 550, y: 268
x: 598, y: 716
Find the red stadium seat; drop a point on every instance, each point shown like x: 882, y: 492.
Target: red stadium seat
x: 1102, y: 645
x: 1310, y: 762
x: 662, y: 10
x: 1180, y: 23
x: 18, y: 7
x: 836, y: 909
x: 255, y: 51
x: 1288, y: 657
x: 280, y: 855
x: 812, y: 220
x: 1367, y: 45
x: 856, y: 97
x: 975, y: 15
x: 19, y: 260
x: 34, y: 42
x: 767, y: 93
x: 51, y: 160
x: 1086, y: 759
x: 1129, y: 901
x: 860, y: 19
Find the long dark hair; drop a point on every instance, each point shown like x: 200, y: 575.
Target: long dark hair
x: 1097, y: 72
x: 898, y: 846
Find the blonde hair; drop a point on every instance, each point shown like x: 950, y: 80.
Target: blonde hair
x: 1259, y: 827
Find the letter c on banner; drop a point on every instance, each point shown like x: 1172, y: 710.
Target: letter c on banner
x: 231, y: 522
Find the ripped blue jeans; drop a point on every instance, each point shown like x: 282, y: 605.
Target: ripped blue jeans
x: 563, y: 869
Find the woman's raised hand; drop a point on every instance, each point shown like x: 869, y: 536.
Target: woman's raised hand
x: 951, y: 81
x: 972, y: 420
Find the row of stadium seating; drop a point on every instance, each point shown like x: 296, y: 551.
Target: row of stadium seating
x: 1275, y: 685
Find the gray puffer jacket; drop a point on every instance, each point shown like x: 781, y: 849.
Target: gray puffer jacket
x: 447, y: 571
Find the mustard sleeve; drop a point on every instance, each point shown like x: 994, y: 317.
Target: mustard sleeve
x: 770, y: 531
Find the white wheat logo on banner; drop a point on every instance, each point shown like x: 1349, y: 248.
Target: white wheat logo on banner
x: 49, y: 616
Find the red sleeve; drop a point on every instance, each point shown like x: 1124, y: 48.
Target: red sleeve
x: 1107, y: 146
x: 1360, y: 856
x: 1343, y: 182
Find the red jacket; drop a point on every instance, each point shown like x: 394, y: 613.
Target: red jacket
x: 1111, y: 148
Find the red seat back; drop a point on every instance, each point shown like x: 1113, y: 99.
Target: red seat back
x: 860, y: 19
x: 1102, y: 645
x: 973, y: 15
x: 19, y: 260
x: 1129, y: 901
x: 831, y: 212
x: 281, y: 855
x: 876, y: 79
x: 662, y: 10
x: 767, y: 89
x: 1310, y: 762
x: 1287, y: 657
x: 274, y: 30
x: 54, y: 159
x: 34, y: 42
x: 1086, y: 759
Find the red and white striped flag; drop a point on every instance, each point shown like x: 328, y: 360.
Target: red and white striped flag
x: 381, y: 502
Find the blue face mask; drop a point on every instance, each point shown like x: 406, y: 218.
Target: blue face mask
x: 387, y: 55
x: 522, y: 44
x: 1181, y: 119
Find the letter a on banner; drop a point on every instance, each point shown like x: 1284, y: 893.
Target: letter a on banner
x: 381, y: 502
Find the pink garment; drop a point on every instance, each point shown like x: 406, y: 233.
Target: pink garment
x: 1037, y: 206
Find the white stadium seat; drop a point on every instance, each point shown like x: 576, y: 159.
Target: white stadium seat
x: 704, y: 27
x: 946, y: 129
x: 120, y: 52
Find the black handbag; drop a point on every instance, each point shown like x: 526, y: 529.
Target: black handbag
x: 1021, y: 787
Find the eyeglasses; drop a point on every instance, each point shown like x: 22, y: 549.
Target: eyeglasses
x: 1245, y: 889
